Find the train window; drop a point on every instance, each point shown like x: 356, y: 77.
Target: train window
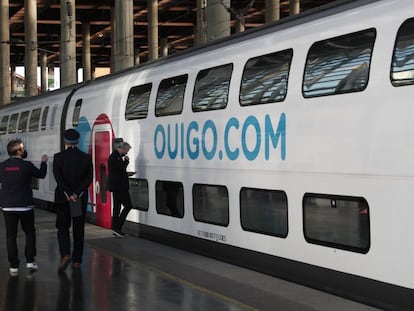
x: 170, y: 96
x: 337, y: 221
x: 169, y: 198
x: 35, y: 120
x: 53, y: 117
x: 211, y: 204
x: 138, y: 190
x: 137, y: 102
x: 402, y: 67
x: 265, y: 78
x: 24, y: 118
x: 211, y: 89
x: 13, y: 123
x: 339, y: 65
x: 76, y: 113
x: 3, y: 125
x: 44, y: 118
x: 264, y: 211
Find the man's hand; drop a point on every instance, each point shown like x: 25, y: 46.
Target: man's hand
x: 45, y: 158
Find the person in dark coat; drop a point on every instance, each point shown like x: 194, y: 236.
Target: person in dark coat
x: 73, y: 172
x: 118, y: 184
x: 16, y: 201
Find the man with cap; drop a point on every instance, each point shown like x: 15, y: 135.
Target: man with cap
x: 16, y: 200
x: 73, y: 172
x: 118, y: 184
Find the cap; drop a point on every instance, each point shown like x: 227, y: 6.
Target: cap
x: 125, y: 145
x: 71, y: 136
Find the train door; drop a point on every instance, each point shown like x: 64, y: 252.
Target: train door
x: 101, y: 149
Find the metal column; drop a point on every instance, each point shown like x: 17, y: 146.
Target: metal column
x: 4, y: 53
x: 86, y: 51
x: 272, y: 10
x: 43, y: 72
x: 30, y: 35
x: 152, y: 29
x: 68, y: 43
x: 124, y: 39
x: 217, y: 19
x: 294, y: 7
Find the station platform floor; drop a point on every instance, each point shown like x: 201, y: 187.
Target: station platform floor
x: 135, y: 274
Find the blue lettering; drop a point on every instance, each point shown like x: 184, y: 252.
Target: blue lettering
x: 193, y: 126
x: 209, y: 125
x: 271, y: 135
x: 172, y: 153
x: 232, y: 155
x: 159, y: 130
x: 251, y: 155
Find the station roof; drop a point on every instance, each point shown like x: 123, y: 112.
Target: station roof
x: 177, y: 20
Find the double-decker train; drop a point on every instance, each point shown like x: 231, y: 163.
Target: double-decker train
x: 287, y: 149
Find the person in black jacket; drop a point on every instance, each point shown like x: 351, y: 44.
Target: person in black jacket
x: 16, y: 201
x: 118, y: 184
x: 73, y: 172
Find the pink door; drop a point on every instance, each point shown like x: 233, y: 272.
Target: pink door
x: 103, y: 201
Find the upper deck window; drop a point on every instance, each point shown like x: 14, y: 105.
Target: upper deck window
x: 402, y: 67
x: 24, y: 118
x: 339, y: 65
x: 170, y: 97
x: 35, y: 120
x: 44, y: 118
x: 265, y: 78
x: 3, y: 125
x: 211, y: 90
x: 137, y: 102
x: 13, y: 123
x: 76, y: 113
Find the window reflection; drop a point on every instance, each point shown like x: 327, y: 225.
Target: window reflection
x: 339, y: 65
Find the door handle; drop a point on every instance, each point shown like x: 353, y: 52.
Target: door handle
x: 97, y: 188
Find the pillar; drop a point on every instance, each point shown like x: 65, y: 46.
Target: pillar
x: 217, y: 19
x: 4, y: 53
x: 152, y: 29
x: 86, y: 51
x: 113, y: 40
x: 13, y: 85
x: 294, y: 7
x: 124, y: 29
x: 272, y: 11
x: 201, y: 22
x: 43, y: 72
x: 239, y: 24
x: 136, y: 59
x: 30, y: 36
x: 68, y: 46
x: 164, y: 46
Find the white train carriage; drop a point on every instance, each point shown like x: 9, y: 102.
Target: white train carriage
x: 287, y: 149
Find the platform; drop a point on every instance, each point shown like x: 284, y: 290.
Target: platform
x: 135, y: 274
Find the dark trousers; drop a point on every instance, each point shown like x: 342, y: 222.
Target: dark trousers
x: 120, y: 198
x: 27, y: 221
x: 63, y: 222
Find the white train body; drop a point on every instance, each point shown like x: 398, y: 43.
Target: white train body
x: 358, y: 144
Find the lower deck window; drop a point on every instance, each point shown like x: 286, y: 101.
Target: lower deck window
x: 337, y: 221
x: 138, y: 190
x: 264, y: 211
x: 211, y: 204
x: 170, y: 198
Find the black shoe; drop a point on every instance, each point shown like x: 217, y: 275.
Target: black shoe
x: 64, y: 263
x: 118, y: 232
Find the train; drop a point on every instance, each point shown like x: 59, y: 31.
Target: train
x: 287, y: 149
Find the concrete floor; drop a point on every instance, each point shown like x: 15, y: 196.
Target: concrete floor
x: 136, y: 274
